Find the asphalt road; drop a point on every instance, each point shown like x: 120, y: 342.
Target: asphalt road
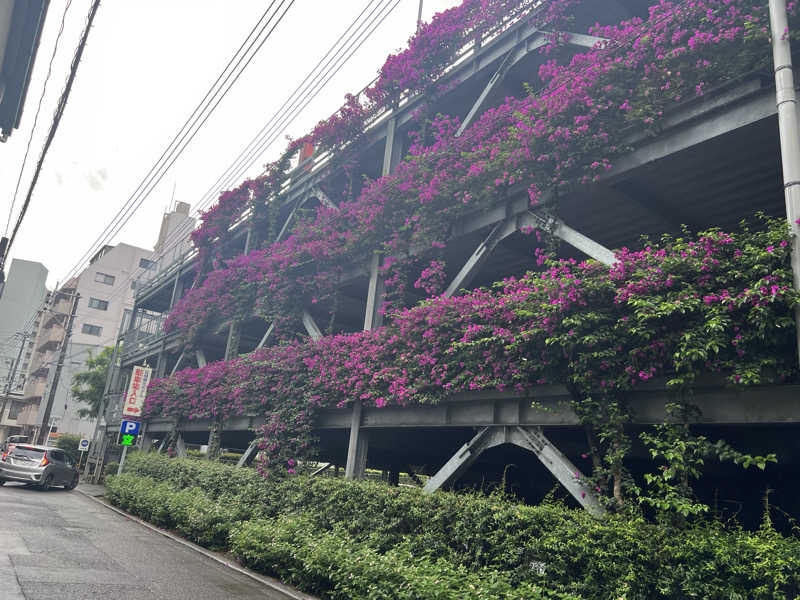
x: 62, y: 545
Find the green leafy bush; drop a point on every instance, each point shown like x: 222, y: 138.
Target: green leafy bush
x: 213, y: 478
x: 365, y: 539
x: 69, y: 444
x: 337, y: 566
x: 110, y: 469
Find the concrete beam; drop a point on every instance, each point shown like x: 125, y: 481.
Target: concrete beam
x: 718, y: 406
x: 232, y: 342
x: 462, y: 459
x: 180, y: 447
x: 357, y: 446
x: 559, y: 465
x: 479, y: 256
x: 266, y: 335
x: 373, y: 317
x: 177, y: 363
x: 390, y: 150
x: 574, y: 238
x: 723, y: 113
x: 248, y: 455
x: 549, y: 406
x: 529, y: 438
x: 323, y: 198
x: 311, y: 326
x: 479, y: 106
x: 285, y: 228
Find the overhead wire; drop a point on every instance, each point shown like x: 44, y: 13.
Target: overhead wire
x: 288, y: 118
x: 307, y: 93
x: 278, y: 122
x: 178, y: 236
x: 154, y: 177
x: 59, y: 112
x: 36, y: 115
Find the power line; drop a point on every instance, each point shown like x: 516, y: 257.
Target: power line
x: 132, y: 204
x: 285, y: 119
x: 36, y: 116
x: 209, y: 195
x: 59, y: 112
x: 307, y: 93
x: 192, y: 119
x: 179, y: 234
x: 278, y: 119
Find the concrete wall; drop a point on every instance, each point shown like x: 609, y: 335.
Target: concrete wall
x: 122, y: 263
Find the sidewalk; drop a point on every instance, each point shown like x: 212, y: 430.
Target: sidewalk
x: 91, y: 489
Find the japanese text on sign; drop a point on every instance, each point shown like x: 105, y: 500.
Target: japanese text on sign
x: 137, y: 388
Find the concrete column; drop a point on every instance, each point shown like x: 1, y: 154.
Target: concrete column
x: 234, y: 336
x: 357, y: 448
x: 214, y: 439
x: 180, y: 447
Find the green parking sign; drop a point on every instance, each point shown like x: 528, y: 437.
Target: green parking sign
x: 127, y: 439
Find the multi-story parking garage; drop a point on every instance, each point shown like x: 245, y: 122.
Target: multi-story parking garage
x: 711, y: 159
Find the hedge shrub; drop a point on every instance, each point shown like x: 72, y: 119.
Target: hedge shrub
x: 335, y: 565
x: 345, y: 539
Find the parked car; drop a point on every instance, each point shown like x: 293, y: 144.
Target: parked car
x: 44, y: 466
x: 13, y: 440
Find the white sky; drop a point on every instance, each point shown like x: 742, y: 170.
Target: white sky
x: 146, y: 66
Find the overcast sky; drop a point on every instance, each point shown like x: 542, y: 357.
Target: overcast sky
x: 146, y: 66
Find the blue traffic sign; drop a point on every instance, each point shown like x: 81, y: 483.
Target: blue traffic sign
x: 130, y: 427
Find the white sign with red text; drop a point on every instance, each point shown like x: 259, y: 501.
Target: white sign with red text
x: 137, y: 388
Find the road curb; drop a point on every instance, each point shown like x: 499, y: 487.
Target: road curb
x: 273, y: 584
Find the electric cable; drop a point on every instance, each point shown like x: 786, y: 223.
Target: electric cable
x: 36, y: 115
x: 183, y: 230
x: 59, y: 112
x: 290, y: 104
x: 174, y: 149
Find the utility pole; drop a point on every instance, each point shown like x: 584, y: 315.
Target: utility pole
x: 59, y: 364
x: 97, y: 448
x: 13, y: 374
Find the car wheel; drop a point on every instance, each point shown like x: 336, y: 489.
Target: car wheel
x: 47, y: 482
x: 2, y: 482
x: 72, y: 484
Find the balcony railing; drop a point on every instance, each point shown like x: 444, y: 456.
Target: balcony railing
x: 146, y: 328
x: 163, y: 267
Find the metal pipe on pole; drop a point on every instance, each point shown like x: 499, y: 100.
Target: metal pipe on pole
x: 789, y: 133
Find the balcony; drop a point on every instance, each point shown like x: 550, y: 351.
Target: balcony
x: 164, y: 268
x: 30, y: 414
x: 50, y: 339
x: 144, y: 333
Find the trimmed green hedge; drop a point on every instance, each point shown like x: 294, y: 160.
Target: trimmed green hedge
x: 344, y: 539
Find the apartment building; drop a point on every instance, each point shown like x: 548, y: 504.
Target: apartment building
x: 24, y: 296
x: 101, y: 294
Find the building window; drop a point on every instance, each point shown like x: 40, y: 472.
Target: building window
x: 16, y: 408
x: 104, y: 278
x: 98, y: 304
x: 91, y: 329
x: 146, y: 264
